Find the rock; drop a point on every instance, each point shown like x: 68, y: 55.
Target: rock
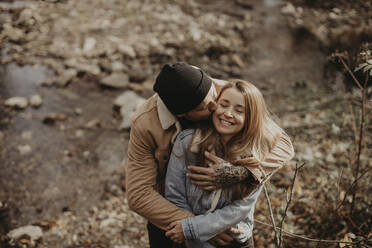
x: 81, y: 67
x: 66, y: 77
x: 93, y: 123
x: 116, y: 80
x: 107, y: 222
x: 289, y: 9
x: 128, y: 103
x: 51, y: 118
x: 79, y: 133
x: 17, y: 102
x: 27, y: 135
x: 1, y: 136
x: 137, y: 75
x: 335, y: 129
x: 127, y: 50
x: 78, y: 111
x: 89, y: 44
x: 24, y: 149
x: 33, y: 233
x: 36, y: 101
x: 14, y: 34
x: 117, y: 66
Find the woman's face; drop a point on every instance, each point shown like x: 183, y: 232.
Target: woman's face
x: 229, y: 117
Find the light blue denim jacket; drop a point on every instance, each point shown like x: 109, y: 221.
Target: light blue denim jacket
x: 184, y: 194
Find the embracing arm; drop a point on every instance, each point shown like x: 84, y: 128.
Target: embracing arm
x: 205, y: 227
x: 221, y: 174
x: 141, y: 173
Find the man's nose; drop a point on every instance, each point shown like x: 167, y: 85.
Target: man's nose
x: 212, y: 106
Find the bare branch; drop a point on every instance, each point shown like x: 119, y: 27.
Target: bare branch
x: 361, y: 137
x: 272, y: 217
x: 350, y: 72
x: 293, y: 235
x: 352, y: 185
x: 288, y: 202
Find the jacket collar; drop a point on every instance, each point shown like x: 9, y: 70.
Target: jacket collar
x: 167, y: 119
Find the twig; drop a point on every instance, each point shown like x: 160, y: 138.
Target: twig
x: 288, y: 202
x: 338, y: 184
x: 361, y: 136
x: 279, y: 238
x: 353, y: 124
x: 272, y: 217
x: 293, y: 235
x: 352, y: 185
x: 350, y: 72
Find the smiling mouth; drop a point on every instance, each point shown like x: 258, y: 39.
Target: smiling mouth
x: 226, y: 123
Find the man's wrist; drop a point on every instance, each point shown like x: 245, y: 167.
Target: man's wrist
x: 227, y: 175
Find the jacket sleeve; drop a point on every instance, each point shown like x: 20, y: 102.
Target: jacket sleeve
x: 141, y: 175
x: 205, y: 227
x: 279, y: 155
x: 175, y: 181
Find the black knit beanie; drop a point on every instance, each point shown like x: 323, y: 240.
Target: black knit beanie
x: 182, y: 87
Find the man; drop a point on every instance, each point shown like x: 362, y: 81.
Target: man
x: 185, y: 94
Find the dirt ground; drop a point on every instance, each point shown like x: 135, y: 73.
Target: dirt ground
x: 61, y: 162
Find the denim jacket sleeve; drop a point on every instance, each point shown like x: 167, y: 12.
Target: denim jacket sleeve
x: 175, y: 180
x: 205, y: 227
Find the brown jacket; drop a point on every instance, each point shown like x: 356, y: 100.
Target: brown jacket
x: 153, y: 131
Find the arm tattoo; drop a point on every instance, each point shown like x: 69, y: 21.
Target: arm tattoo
x: 227, y: 175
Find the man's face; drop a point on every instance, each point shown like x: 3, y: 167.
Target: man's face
x: 204, y: 109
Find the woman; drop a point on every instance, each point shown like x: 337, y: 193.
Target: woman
x: 241, y: 127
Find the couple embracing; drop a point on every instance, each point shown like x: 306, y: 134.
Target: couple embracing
x: 200, y: 150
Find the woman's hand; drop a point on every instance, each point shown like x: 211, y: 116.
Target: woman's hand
x: 175, y: 232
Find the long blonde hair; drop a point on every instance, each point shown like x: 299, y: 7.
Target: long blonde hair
x: 257, y: 137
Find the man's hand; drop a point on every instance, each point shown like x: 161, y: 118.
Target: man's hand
x: 219, y: 174
x: 206, y: 177
x: 175, y: 232
x: 224, y: 238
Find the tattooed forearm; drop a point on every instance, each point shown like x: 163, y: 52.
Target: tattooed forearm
x: 227, y: 175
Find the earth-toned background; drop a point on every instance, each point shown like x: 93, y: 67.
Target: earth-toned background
x: 72, y: 72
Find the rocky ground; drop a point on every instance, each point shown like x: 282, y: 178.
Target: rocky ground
x: 73, y: 72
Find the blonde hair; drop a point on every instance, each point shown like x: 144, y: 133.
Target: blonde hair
x: 257, y: 137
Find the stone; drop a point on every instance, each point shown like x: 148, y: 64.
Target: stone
x: 66, y: 77
x: 26, y: 135
x: 79, y: 133
x: 89, y: 44
x: 14, y: 34
x: 78, y: 111
x: 107, y: 222
x: 128, y: 103
x: 17, y: 102
x: 117, y: 66
x: 34, y: 233
x: 36, y: 101
x: 127, y: 50
x: 116, y: 80
x: 24, y: 149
